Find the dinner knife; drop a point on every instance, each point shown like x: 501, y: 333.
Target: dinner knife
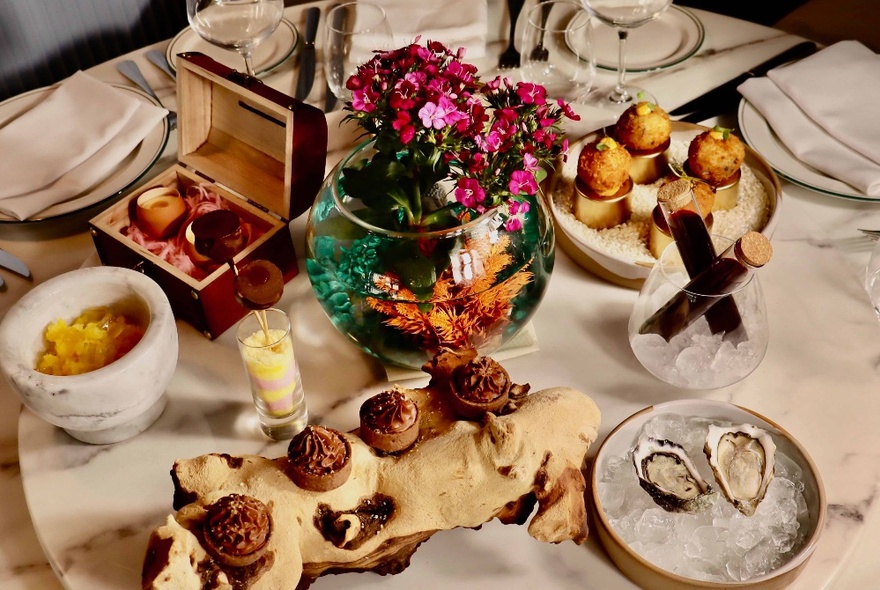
x: 724, y: 98
x: 307, y: 59
x: 14, y: 263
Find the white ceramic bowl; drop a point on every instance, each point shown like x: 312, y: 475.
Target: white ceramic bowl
x: 608, y: 262
x: 648, y: 575
x: 109, y: 404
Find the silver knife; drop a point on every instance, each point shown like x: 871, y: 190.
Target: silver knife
x: 307, y: 58
x: 14, y: 263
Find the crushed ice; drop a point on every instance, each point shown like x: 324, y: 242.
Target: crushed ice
x: 698, y: 359
x: 719, y: 544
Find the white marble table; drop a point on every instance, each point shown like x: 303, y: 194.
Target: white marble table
x: 92, y: 507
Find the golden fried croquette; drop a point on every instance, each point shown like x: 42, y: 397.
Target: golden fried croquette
x: 716, y: 155
x: 643, y: 127
x: 604, y: 166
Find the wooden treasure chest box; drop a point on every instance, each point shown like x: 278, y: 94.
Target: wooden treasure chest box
x: 242, y: 147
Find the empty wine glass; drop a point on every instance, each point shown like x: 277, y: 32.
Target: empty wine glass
x: 236, y: 25
x: 557, y: 50
x: 354, y: 31
x: 623, y: 15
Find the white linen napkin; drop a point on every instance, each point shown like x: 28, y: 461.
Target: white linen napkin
x: 68, y: 143
x: 807, y: 133
x: 455, y: 23
x: 839, y: 89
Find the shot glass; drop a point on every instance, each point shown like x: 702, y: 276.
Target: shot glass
x: 276, y: 386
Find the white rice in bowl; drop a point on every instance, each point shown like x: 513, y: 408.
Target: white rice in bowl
x: 629, y: 240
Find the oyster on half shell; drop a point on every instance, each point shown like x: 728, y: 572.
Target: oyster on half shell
x: 743, y: 458
x: 667, y: 473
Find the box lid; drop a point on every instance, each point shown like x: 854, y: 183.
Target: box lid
x: 242, y: 134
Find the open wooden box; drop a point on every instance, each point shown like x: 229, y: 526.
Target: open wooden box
x: 260, y: 150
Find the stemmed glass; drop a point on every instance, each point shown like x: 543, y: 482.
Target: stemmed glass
x: 557, y: 49
x: 354, y: 31
x: 237, y: 25
x: 623, y: 15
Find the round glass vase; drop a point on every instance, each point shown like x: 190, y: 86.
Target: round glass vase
x: 401, y: 296
x: 695, y: 357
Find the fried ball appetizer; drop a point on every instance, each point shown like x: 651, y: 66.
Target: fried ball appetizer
x: 643, y: 127
x: 716, y: 156
x: 604, y: 166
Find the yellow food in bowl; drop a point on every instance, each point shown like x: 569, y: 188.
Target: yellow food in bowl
x: 93, y: 340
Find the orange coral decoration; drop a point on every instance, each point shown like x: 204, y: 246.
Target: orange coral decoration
x: 462, y: 312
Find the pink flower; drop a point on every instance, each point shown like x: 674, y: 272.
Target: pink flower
x: 491, y: 142
x: 360, y: 101
x: 522, y: 181
x: 515, y: 207
x: 530, y: 162
x: 566, y: 108
x: 531, y: 93
x: 513, y: 224
x: 440, y: 114
x: 469, y: 192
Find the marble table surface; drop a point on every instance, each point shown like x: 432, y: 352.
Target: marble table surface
x: 77, y: 516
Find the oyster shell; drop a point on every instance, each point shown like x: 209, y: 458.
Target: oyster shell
x: 743, y: 458
x: 667, y: 473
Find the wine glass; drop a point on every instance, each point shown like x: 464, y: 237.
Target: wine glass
x: 623, y: 15
x: 354, y: 31
x: 237, y: 25
x: 557, y: 50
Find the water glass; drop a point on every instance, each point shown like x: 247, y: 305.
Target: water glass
x: 267, y: 351
x: 354, y: 31
x: 695, y: 357
x: 557, y: 49
x: 872, y: 278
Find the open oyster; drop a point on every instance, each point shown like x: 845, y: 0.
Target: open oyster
x: 667, y: 473
x: 743, y: 458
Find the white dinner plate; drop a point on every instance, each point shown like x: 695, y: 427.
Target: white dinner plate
x: 268, y: 55
x: 118, y: 181
x: 668, y: 40
x: 756, y: 131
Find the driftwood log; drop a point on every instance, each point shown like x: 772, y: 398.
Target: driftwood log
x: 459, y: 473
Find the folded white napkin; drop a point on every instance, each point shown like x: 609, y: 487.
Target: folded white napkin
x: 69, y: 142
x: 839, y: 89
x: 820, y: 119
x: 455, y: 23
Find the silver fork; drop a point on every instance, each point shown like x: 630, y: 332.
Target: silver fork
x: 510, y: 58
x: 130, y: 70
x: 541, y: 53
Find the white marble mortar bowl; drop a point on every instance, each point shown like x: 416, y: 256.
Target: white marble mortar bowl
x: 112, y: 403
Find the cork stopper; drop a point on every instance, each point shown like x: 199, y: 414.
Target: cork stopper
x: 676, y: 195
x: 686, y: 194
x: 754, y: 249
